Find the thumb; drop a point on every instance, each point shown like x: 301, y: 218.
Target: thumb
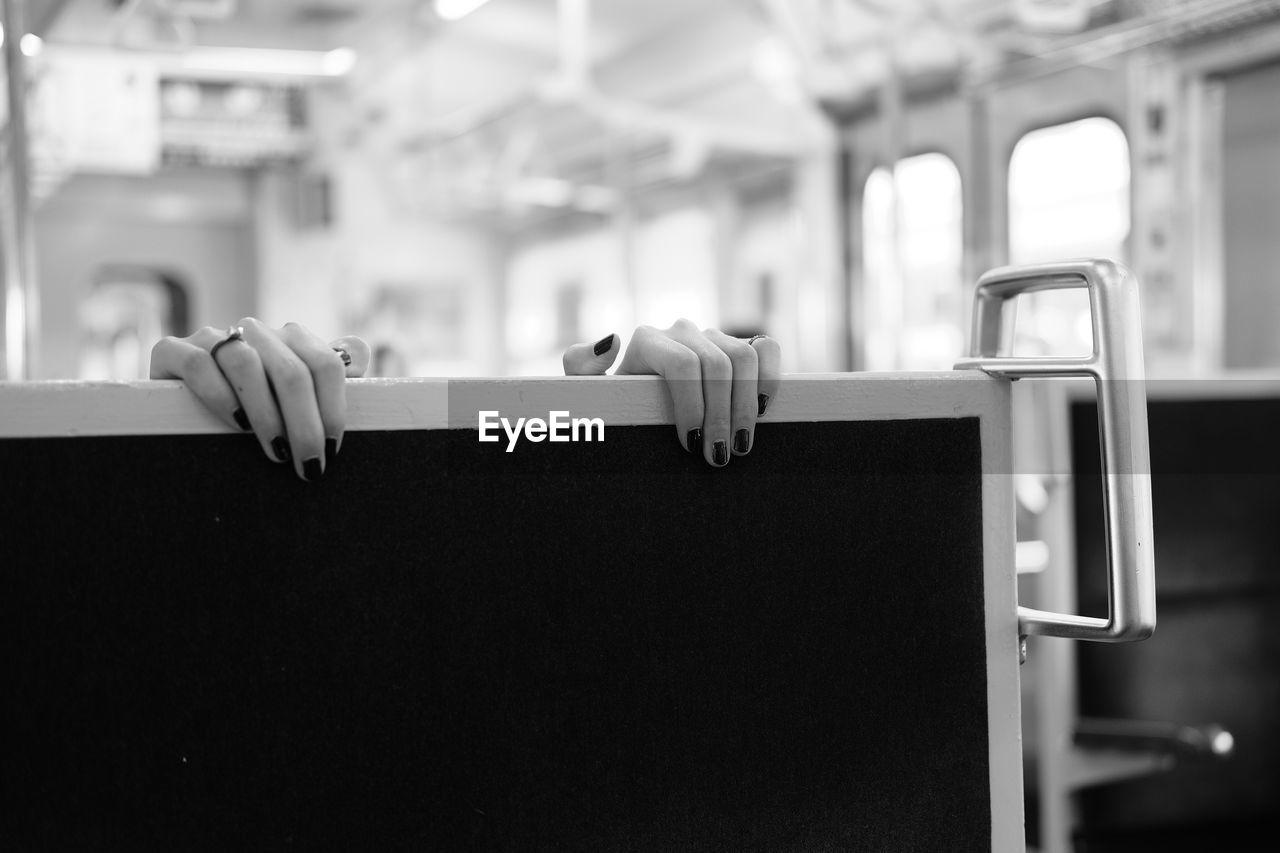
x: 591, y: 359
x: 357, y: 351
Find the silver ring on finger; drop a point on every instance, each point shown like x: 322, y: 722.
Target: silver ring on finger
x: 755, y: 338
x: 234, y: 333
x: 344, y: 355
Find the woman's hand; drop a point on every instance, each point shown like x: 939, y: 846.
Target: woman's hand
x: 719, y: 384
x: 285, y: 384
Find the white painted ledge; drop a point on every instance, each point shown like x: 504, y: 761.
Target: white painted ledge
x: 166, y: 407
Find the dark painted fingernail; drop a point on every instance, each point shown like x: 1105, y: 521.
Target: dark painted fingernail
x: 694, y: 441
x: 281, y: 447
x: 602, y: 346
x: 764, y: 404
x: 720, y: 453
x: 312, y: 469
x: 742, y: 441
x: 242, y: 420
x: 330, y: 449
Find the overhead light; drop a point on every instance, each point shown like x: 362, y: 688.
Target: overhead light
x: 339, y: 61
x: 453, y: 10
x: 267, y: 61
x: 30, y: 44
x: 232, y: 63
x: 772, y: 63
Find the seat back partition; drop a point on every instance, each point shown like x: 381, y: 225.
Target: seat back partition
x: 443, y: 645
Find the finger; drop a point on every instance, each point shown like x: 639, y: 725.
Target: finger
x: 295, y: 396
x: 329, y: 376
x: 591, y: 359
x: 242, y: 368
x: 745, y: 400
x: 769, y: 354
x: 654, y: 352
x: 176, y: 358
x: 357, y: 350
x: 717, y: 391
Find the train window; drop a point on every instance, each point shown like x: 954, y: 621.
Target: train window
x: 1068, y: 198
x: 913, y: 247
x: 127, y: 309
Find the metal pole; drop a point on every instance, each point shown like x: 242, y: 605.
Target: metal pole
x: 20, y: 304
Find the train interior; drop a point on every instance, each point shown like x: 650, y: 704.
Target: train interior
x: 473, y: 185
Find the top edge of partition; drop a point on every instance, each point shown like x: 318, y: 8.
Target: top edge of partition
x: 69, y: 408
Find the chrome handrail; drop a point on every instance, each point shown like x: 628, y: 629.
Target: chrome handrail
x: 1116, y: 366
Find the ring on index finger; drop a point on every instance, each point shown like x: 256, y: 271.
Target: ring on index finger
x: 755, y: 338
x: 234, y: 333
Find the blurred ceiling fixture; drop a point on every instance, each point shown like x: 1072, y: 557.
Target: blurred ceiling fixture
x: 772, y: 63
x: 1053, y: 17
x: 454, y: 10
x: 235, y: 63
x: 30, y: 44
x: 271, y: 62
x: 209, y: 10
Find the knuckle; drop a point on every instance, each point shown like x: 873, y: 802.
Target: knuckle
x: 329, y: 369
x: 193, y: 361
x: 717, y: 364
x: 741, y: 352
x: 292, y: 379
x: 249, y: 322
x: 768, y: 345
x: 687, y: 361
x: 644, y: 335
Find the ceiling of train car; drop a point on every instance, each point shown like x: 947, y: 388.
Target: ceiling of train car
x: 525, y: 25
x: 520, y: 25
x: 839, y: 45
x: 683, y: 83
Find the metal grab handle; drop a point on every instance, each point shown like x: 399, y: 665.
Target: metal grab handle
x: 1117, y: 370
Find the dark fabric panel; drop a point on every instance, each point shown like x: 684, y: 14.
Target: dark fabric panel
x: 443, y: 646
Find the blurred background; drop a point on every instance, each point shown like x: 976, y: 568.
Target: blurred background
x: 472, y: 185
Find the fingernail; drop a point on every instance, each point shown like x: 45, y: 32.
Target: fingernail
x: 281, y: 447
x: 312, y: 469
x: 694, y: 441
x: 602, y: 345
x: 742, y: 441
x: 720, y: 453
x: 330, y: 450
x: 764, y: 404
x: 242, y: 420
